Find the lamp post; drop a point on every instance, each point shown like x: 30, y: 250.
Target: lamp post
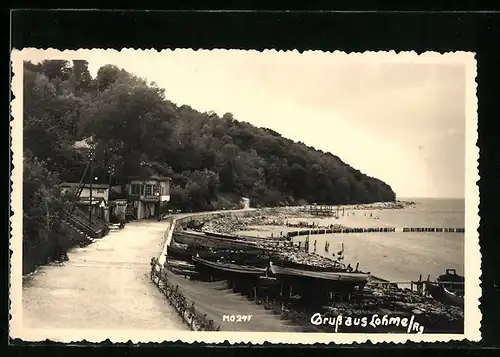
x: 91, y: 158
x: 111, y: 171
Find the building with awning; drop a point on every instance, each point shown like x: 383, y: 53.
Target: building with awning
x: 147, y: 196
x: 100, y: 192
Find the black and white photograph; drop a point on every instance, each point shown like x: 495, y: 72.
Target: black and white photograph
x: 246, y: 196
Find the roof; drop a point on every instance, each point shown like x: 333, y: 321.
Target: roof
x: 86, y: 143
x: 153, y: 177
x: 75, y: 185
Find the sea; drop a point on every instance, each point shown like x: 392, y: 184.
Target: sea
x: 395, y: 256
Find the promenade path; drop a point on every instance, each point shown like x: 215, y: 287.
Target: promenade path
x: 105, y: 285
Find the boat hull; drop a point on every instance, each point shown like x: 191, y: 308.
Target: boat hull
x: 311, y: 281
x: 215, y: 242
x: 228, y: 269
x: 176, y: 251
x: 444, y: 295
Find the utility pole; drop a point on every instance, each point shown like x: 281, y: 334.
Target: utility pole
x: 110, y: 171
x: 91, y: 157
x: 91, y: 153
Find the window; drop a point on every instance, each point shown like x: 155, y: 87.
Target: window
x: 136, y: 189
x: 100, y: 190
x: 148, y: 190
x: 156, y: 190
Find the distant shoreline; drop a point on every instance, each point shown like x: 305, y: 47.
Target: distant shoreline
x: 277, y: 216
x: 375, y: 205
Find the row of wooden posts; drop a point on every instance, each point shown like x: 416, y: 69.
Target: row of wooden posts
x: 372, y: 230
x: 305, y: 245
x: 194, y: 319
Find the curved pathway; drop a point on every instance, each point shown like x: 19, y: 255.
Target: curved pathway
x: 105, y: 285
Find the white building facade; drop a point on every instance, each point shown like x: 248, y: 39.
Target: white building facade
x: 147, y: 197
x: 100, y: 192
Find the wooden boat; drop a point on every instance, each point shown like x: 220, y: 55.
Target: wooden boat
x: 185, y: 252
x: 453, y: 281
x: 201, y: 239
x: 179, y: 251
x: 220, y: 235
x: 228, y: 268
x: 452, y: 276
x: 179, y: 264
x: 331, y: 267
x: 332, y: 275
x: 440, y: 293
x: 184, y: 272
x: 313, y: 282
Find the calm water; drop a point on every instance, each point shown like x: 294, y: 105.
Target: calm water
x: 399, y: 256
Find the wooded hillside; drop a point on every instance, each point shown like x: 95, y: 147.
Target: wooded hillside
x: 213, y: 160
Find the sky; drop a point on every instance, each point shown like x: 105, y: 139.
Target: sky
x: 398, y: 120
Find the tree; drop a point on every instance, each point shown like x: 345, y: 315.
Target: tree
x: 82, y: 77
x: 212, y: 161
x: 139, y: 130
x: 41, y: 204
x: 56, y: 69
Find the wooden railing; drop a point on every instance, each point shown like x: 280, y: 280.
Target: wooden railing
x: 77, y: 222
x: 193, y: 318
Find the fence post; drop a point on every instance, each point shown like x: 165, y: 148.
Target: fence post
x: 160, y: 275
x: 192, y: 316
x: 153, y: 268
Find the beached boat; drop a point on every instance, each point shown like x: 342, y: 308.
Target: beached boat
x: 179, y: 264
x: 335, y: 274
x: 179, y: 251
x: 452, y: 276
x: 201, y: 239
x: 238, y: 237
x: 440, y: 293
x: 310, y: 277
x: 323, y: 266
x: 228, y: 268
x: 185, y: 252
x: 220, y: 235
x: 452, y: 281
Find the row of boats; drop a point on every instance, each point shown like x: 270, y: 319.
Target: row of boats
x: 223, y: 255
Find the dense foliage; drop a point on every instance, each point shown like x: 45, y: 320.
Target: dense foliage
x: 141, y: 132
x: 212, y: 160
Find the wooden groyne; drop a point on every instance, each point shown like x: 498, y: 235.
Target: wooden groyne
x: 306, y: 232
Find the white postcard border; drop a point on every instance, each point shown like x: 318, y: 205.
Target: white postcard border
x: 472, y: 312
